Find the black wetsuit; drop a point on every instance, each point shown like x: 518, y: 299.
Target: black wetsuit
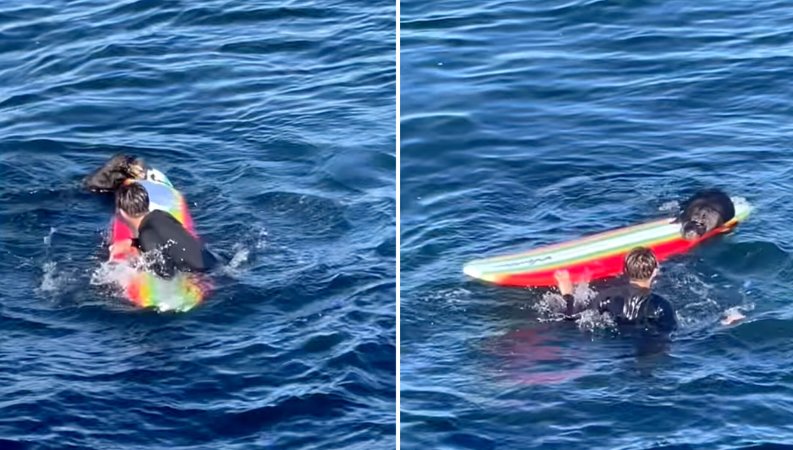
x: 629, y: 304
x: 180, y: 250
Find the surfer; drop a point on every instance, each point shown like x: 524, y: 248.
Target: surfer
x: 159, y: 231
x: 631, y: 303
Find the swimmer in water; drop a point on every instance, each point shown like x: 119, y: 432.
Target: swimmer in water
x: 158, y: 230
x: 633, y: 303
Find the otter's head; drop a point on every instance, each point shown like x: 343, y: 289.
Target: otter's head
x: 701, y: 220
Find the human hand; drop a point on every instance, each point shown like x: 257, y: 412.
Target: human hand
x: 563, y: 281
x: 121, y: 249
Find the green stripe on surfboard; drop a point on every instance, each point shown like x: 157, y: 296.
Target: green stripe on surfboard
x: 578, y: 242
x: 590, y: 248
x: 569, y: 256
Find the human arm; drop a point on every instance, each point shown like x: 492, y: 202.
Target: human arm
x: 566, y: 289
x: 123, y: 249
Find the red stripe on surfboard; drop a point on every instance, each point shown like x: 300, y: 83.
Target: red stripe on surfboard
x: 119, y: 230
x: 598, y: 269
x: 580, y: 241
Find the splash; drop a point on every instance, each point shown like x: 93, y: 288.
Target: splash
x: 50, y: 282
x: 732, y: 316
x: 741, y: 202
x: 261, y: 242
x: 235, y: 266
x: 592, y: 321
x: 243, y: 254
x: 127, y: 279
x: 670, y: 206
x: 48, y: 237
x: 551, y: 308
x: 114, y: 273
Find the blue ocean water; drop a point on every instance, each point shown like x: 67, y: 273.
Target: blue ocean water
x: 527, y: 123
x: 277, y: 123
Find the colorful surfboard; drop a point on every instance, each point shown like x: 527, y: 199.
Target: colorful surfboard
x: 592, y: 258
x: 144, y: 289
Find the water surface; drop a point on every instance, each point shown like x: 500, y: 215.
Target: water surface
x: 527, y: 124
x: 277, y: 123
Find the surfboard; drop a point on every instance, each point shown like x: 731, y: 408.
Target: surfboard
x: 594, y: 257
x: 145, y: 289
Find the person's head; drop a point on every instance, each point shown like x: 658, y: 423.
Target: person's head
x: 641, y: 264
x: 132, y: 200
x: 115, y: 172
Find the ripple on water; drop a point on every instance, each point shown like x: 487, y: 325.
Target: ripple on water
x: 556, y: 120
x: 283, y: 146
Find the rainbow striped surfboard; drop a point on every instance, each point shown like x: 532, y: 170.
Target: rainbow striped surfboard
x: 146, y: 290
x: 592, y: 258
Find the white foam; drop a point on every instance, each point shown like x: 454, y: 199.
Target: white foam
x: 55, y: 279
x: 261, y: 243
x: 741, y: 203
x: 736, y: 314
x: 242, y: 255
x: 552, y: 307
x: 592, y: 320
x: 50, y: 281
x: 731, y: 316
x: 672, y: 205
x: 118, y: 273
x: 48, y: 237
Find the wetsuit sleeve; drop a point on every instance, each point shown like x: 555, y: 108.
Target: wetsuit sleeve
x: 569, y: 311
x: 662, y: 314
x: 600, y: 301
x: 180, y: 250
x: 611, y: 299
x: 603, y: 304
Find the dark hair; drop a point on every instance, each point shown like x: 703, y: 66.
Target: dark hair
x: 640, y: 263
x: 133, y: 199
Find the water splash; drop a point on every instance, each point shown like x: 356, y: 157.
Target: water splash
x: 670, y: 206
x: 592, y: 321
x: 735, y: 314
x: 50, y: 282
x: 551, y: 308
x: 119, y: 275
x: 741, y: 202
x: 235, y: 268
x: 114, y: 273
x: 48, y: 237
x: 243, y: 254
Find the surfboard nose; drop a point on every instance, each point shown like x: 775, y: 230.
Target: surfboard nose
x: 472, y: 271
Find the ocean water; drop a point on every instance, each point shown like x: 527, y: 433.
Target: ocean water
x: 277, y: 123
x: 528, y: 123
